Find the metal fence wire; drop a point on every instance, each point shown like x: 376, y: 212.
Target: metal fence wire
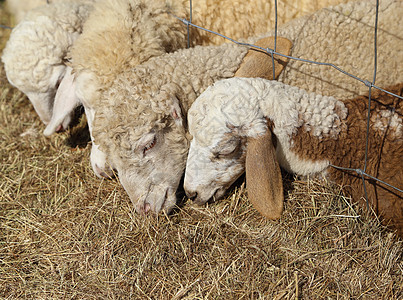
x: 271, y: 52
x: 370, y: 84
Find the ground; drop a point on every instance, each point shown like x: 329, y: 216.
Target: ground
x: 65, y: 234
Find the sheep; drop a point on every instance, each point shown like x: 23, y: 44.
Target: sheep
x: 143, y: 29
x: 144, y: 138
x: 35, y: 55
x: 261, y: 125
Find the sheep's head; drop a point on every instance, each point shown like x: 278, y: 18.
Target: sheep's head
x: 34, y: 61
x: 146, y: 143
x: 39, y: 84
x: 220, y: 121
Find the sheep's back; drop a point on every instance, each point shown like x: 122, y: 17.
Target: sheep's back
x: 344, y: 35
x: 120, y: 34
x: 385, y: 153
x: 243, y: 19
x: 135, y: 99
x: 347, y: 149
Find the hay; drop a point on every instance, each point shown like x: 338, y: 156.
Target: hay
x: 66, y: 234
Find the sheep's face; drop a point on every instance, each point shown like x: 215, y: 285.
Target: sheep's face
x: 151, y: 171
x: 34, y: 61
x: 212, y: 168
x: 40, y: 88
x: 219, y: 121
x: 148, y: 147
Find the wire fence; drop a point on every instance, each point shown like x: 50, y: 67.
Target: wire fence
x: 362, y: 172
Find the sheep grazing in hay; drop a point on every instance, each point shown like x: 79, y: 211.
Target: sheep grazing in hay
x: 259, y: 125
x: 140, y: 122
x: 66, y: 234
x: 142, y: 29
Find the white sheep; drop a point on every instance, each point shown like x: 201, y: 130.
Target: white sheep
x: 35, y: 55
x: 121, y: 34
x: 140, y: 124
x: 260, y: 125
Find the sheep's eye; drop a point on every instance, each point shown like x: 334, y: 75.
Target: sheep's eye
x: 228, y: 151
x: 58, y: 82
x: 149, y: 146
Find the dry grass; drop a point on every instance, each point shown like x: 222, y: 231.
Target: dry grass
x: 66, y: 234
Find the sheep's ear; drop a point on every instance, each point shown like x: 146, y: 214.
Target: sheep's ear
x: 258, y: 63
x: 65, y: 103
x: 176, y: 112
x: 263, y: 176
x: 168, y: 101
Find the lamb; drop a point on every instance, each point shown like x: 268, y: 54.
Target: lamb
x: 143, y: 29
x: 260, y: 125
x: 35, y: 55
x: 140, y: 121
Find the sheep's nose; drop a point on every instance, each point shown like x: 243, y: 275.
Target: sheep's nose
x: 147, y: 208
x: 191, y: 194
x: 60, y: 128
x: 144, y: 209
x: 108, y: 174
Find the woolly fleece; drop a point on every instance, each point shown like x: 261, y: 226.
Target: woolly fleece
x: 35, y: 55
x: 150, y: 29
x: 344, y: 35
